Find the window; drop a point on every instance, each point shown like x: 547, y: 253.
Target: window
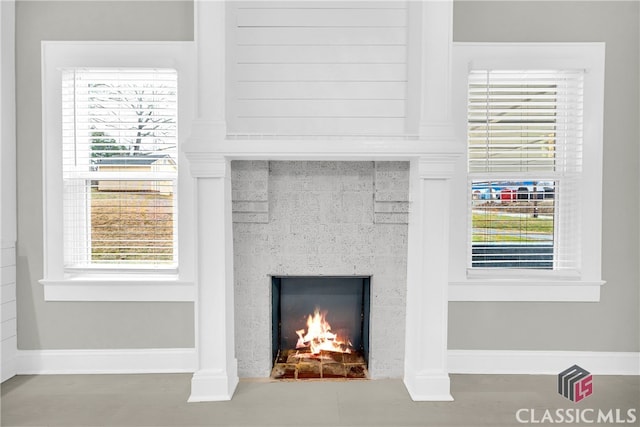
x: 524, y: 140
x: 117, y: 203
x: 530, y: 185
x: 120, y: 167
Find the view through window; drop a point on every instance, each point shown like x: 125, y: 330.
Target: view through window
x: 120, y: 167
x: 524, y: 156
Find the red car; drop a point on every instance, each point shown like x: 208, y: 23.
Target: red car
x: 507, y: 194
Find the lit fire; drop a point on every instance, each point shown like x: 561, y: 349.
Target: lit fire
x: 319, y: 336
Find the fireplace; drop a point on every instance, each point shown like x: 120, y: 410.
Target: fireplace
x: 320, y: 327
x: 304, y: 231
x: 231, y: 301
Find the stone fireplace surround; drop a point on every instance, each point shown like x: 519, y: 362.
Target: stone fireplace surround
x: 319, y: 219
x: 431, y: 155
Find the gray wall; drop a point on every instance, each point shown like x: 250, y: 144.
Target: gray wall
x: 613, y: 323
x: 64, y: 325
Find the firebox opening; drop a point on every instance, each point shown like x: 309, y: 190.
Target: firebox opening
x: 320, y: 327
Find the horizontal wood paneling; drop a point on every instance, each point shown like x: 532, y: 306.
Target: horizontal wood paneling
x: 333, y: 4
x: 320, y: 72
x: 7, y: 274
x: 323, y: 126
x: 9, y: 328
x: 321, y: 36
x: 8, y: 311
x: 322, y: 90
x: 8, y: 293
x: 320, y: 108
x: 322, y: 54
x: 8, y: 351
x: 7, y: 256
x: 331, y: 16
x: 317, y: 68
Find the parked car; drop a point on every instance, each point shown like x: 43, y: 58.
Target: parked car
x: 507, y: 194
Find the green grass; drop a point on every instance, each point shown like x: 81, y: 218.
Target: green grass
x: 481, y: 238
x: 524, y: 224
x: 518, y: 229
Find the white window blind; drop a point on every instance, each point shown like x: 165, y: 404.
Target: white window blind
x: 120, y: 167
x: 524, y: 165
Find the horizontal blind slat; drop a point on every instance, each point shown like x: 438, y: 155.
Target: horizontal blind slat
x: 120, y: 167
x: 524, y: 156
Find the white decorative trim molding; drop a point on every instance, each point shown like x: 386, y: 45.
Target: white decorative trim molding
x: 177, y: 360
x: 126, y: 361
x: 203, y: 164
x: 8, y: 356
x: 8, y: 309
x: 542, y: 362
x: 119, y: 290
x: 437, y: 166
x: 112, y: 284
x: 529, y: 290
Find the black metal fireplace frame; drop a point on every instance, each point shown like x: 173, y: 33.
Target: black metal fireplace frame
x: 361, y: 282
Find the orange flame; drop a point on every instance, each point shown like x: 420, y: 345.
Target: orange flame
x: 319, y: 336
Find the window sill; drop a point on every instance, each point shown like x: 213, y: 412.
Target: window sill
x: 120, y: 289
x: 525, y: 290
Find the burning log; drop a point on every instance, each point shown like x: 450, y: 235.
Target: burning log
x: 319, y: 353
x: 318, y: 336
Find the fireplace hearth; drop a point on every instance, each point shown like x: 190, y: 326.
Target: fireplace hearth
x: 320, y: 327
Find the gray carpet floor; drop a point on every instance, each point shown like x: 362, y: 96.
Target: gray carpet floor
x: 161, y: 400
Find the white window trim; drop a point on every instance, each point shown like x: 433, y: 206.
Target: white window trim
x: 504, y: 285
x: 117, y: 284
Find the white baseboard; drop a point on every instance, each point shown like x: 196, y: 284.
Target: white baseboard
x: 542, y: 362
x: 173, y: 360
x: 7, y: 369
x: 8, y: 358
x: 127, y: 361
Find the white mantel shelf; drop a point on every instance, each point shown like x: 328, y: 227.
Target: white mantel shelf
x: 373, y: 148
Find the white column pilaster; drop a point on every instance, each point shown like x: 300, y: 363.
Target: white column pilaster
x: 210, y: 38
x: 426, y: 376
x: 435, y: 106
x: 217, y: 374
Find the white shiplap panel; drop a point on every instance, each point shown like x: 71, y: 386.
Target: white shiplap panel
x: 8, y: 351
x: 317, y: 68
x: 321, y: 108
x: 8, y: 311
x: 322, y: 126
x: 8, y: 293
x: 321, y: 36
x: 322, y: 90
x: 7, y: 274
x: 321, y: 72
x: 7, y: 256
x: 338, y: 16
x: 8, y: 328
x: 307, y: 4
x: 363, y: 54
